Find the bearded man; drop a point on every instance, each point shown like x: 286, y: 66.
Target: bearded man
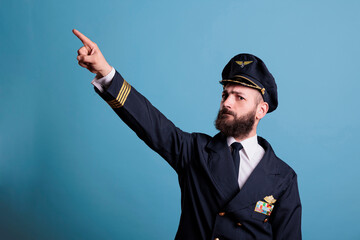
x: 233, y: 186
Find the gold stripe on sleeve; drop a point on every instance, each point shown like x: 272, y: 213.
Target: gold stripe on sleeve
x: 121, y: 89
x: 121, y: 97
x: 124, y: 97
x: 114, y: 104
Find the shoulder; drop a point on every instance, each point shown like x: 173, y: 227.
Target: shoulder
x: 282, y: 168
x: 209, y: 141
x: 201, y: 138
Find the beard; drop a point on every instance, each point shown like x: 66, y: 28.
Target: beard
x: 239, y: 127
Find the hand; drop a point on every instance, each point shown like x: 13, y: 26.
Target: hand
x: 90, y: 56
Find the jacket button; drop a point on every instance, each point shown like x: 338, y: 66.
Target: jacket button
x: 239, y: 224
x: 221, y: 214
x: 266, y: 220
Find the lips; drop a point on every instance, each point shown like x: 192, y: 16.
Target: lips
x: 227, y: 112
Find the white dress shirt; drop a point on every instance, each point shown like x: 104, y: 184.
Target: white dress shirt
x: 103, y: 83
x: 250, y: 156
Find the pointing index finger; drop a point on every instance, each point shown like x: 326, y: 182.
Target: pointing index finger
x: 86, y: 41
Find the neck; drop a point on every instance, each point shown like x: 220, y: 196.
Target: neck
x: 244, y: 137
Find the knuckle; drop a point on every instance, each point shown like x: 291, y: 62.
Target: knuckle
x: 90, y: 59
x: 81, y: 50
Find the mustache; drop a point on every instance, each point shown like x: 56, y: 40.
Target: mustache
x: 226, y: 111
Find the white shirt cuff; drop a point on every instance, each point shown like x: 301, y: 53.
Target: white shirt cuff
x: 103, y: 83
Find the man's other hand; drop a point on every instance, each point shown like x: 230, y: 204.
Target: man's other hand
x: 90, y: 56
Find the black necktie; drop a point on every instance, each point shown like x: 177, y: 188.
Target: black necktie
x: 236, y: 147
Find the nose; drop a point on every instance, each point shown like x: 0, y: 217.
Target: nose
x: 228, y: 102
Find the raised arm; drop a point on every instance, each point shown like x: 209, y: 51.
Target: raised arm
x: 135, y: 110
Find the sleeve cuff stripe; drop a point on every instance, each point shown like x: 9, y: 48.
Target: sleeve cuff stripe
x: 125, y: 95
x: 121, y: 97
x: 122, y: 90
x: 115, y: 105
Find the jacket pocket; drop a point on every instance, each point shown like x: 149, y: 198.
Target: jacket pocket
x: 259, y: 216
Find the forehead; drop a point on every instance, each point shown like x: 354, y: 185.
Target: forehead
x: 238, y: 88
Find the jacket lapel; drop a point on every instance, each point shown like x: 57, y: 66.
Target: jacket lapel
x: 260, y: 183
x: 221, y: 167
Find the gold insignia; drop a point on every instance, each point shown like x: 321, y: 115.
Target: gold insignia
x: 243, y: 63
x: 121, y: 97
x: 253, y: 85
x: 270, y: 199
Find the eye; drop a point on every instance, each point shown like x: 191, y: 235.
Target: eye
x: 224, y: 96
x: 241, y: 98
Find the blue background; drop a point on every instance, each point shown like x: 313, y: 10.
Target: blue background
x: 70, y: 169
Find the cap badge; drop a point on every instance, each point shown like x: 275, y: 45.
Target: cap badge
x: 243, y: 63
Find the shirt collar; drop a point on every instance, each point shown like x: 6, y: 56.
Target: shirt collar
x: 250, y: 145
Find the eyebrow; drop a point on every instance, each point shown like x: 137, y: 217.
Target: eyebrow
x: 236, y: 92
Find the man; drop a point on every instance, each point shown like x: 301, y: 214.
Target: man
x: 232, y: 185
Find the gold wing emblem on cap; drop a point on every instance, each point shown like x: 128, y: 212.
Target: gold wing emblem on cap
x: 270, y: 199
x: 243, y: 63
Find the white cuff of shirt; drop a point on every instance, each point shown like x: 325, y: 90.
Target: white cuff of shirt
x: 103, y: 83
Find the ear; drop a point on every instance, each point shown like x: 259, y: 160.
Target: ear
x: 261, y: 110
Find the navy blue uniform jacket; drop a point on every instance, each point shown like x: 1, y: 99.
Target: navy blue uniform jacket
x: 212, y: 204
